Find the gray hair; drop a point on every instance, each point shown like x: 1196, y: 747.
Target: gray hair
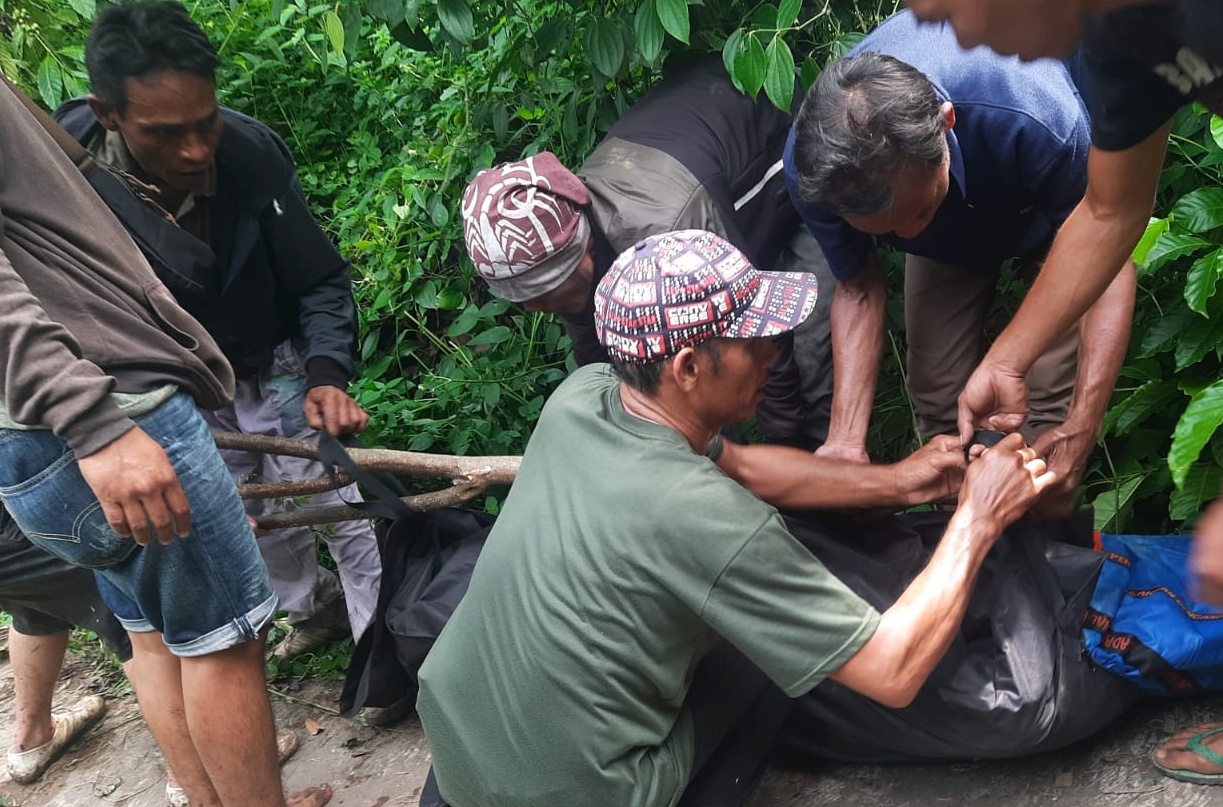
x: 866, y: 119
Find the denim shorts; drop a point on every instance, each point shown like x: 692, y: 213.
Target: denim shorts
x: 203, y: 593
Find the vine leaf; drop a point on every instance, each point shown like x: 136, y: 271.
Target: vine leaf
x: 1195, y: 428
x: 455, y: 16
x: 787, y: 13
x: 674, y: 17
x: 750, y: 67
x: 334, y: 29
x: 779, y: 74
x: 649, y: 31
x: 606, y: 46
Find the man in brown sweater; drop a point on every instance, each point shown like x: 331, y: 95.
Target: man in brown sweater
x: 105, y: 462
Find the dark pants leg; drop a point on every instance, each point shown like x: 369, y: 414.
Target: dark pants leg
x: 737, y: 714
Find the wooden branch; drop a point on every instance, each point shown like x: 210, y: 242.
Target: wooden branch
x: 463, y: 491
x: 496, y: 470
x: 287, y: 490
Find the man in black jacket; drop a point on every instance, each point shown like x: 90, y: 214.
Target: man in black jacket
x: 279, y: 301
x: 693, y: 153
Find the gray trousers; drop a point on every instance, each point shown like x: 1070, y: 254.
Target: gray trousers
x: 310, y: 593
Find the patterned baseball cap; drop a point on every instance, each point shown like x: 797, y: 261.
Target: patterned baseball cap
x: 682, y: 288
x: 524, y: 225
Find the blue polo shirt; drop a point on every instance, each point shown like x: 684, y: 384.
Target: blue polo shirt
x: 1018, y: 154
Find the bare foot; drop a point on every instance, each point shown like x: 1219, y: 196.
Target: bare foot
x: 1175, y: 754
x: 315, y: 796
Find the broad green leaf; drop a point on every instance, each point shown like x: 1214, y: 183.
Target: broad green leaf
x: 85, y: 9
x: 334, y: 29
x: 569, y: 120
x: 492, y: 395
x: 1161, y: 336
x: 493, y: 336
x: 501, y: 121
x: 1199, y: 210
x: 1198, y: 423
x: 649, y: 31
x: 1134, y: 409
x: 1202, y: 279
x: 411, y: 37
x: 549, y: 34
x: 750, y: 67
x: 779, y: 74
x: 731, y: 52
x: 50, y: 82
x: 674, y: 17
x: 1198, y: 338
x: 389, y: 11
x: 1201, y: 485
x: 456, y: 19
x: 439, y: 214
x: 809, y: 73
x: 1155, y: 228
x: 844, y: 43
x: 1216, y: 130
x: 764, y: 17
x: 1170, y: 246
x: 605, y: 46
x: 787, y: 13
x: 352, y: 27
x: 1111, y: 506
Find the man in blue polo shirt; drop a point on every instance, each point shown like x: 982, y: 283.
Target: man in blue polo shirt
x: 963, y: 160
x: 1144, y: 61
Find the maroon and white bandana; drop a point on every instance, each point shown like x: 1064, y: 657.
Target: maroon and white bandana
x: 524, y: 225
x: 682, y: 288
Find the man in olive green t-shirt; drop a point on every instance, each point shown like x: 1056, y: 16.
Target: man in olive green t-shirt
x: 563, y: 678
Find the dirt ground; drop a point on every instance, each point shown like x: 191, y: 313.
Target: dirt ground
x: 116, y: 763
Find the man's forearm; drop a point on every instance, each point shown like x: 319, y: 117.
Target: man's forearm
x: 916, y: 631
x: 1104, y: 335
x: 793, y: 479
x: 859, y: 312
x: 1093, y: 244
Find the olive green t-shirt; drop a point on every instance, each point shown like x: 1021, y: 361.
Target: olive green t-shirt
x: 619, y: 558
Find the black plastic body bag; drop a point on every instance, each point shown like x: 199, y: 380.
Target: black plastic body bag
x: 1014, y: 681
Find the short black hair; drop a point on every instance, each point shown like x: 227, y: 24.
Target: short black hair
x: 131, y: 40
x: 866, y: 119
x: 645, y: 378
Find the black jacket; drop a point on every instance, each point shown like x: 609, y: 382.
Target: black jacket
x: 278, y: 276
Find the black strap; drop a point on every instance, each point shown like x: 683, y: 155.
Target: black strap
x: 383, y: 486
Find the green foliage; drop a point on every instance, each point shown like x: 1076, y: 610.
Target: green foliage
x: 42, y: 46
x: 1160, y: 462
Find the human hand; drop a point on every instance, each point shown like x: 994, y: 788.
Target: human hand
x: 1065, y: 450
x: 1003, y: 483
x: 844, y: 451
x: 138, y: 489
x: 934, y: 471
x: 993, y: 398
x: 1206, y: 556
x: 333, y: 409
